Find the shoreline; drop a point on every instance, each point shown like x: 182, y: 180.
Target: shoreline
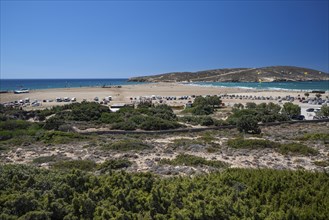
x: 149, y: 89
x: 197, y: 84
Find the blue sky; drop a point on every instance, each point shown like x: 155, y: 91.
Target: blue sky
x: 113, y: 39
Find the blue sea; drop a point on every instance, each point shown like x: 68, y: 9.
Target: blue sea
x: 299, y: 86
x: 32, y: 84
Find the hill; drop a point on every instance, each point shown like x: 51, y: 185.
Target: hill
x: 264, y: 74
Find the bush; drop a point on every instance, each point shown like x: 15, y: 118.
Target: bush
x: 138, y: 119
x: 206, y: 121
x: 5, y: 135
x: 126, y: 125
x: 322, y: 163
x: 44, y: 159
x: 14, y: 125
x: 86, y: 165
x: 203, y: 120
x: 315, y: 136
x: 324, y: 111
x: 87, y: 111
x: 113, y: 164
x: 109, y: 118
x: 202, y: 110
x: 291, y: 109
x: 191, y: 160
x: 59, y: 137
x: 53, y: 123
x: 153, y: 123
x: 297, y: 149
x: 164, y: 112
x: 128, y: 145
x: 248, y: 124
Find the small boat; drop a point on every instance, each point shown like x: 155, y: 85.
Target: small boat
x: 21, y: 91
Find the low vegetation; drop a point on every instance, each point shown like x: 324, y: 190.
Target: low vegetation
x: 287, y: 148
x: 44, y: 159
x: 297, y: 148
x: 204, y: 105
x: 264, y: 112
x: 315, y: 137
x: 322, y: 163
x: 191, y: 160
x: 86, y: 165
x: 127, y: 145
x: 34, y: 193
x: 241, y: 143
x: 113, y: 164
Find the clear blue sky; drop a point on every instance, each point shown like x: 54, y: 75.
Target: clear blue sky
x: 112, y: 39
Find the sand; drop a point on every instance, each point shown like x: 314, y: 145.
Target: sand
x: 126, y: 92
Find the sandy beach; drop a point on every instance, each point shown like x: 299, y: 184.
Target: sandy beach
x: 123, y: 94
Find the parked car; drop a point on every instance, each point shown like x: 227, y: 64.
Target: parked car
x: 298, y: 117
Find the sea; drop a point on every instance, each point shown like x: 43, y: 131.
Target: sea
x: 34, y: 84
x: 297, y: 86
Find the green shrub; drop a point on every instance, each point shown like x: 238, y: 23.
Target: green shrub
x: 291, y: 109
x: 113, y: 164
x: 297, y: 149
x: 86, y: 165
x: 220, y: 122
x: 248, y: 124
x: 315, y: 136
x: 138, y: 119
x: 5, y: 135
x: 164, y: 112
x: 154, y: 123
x: 202, y: 110
x: 322, y: 163
x: 14, y: 125
x: 44, y: 159
x: 87, y: 111
x: 207, y: 121
x: 109, y: 118
x: 126, y: 125
x: 193, y: 120
x: 324, y: 111
x: 191, y: 160
x: 53, y: 123
x: 59, y: 137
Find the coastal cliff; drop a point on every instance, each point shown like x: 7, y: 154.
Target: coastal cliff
x: 264, y: 74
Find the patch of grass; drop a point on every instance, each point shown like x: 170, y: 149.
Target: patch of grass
x: 289, y: 148
x: 213, y: 149
x: 60, y: 137
x: 315, y: 136
x: 3, y: 148
x: 45, y: 159
x: 297, y: 148
x: 191, y: 160
x: 184, y: 143
x: 127, y: 145
x: 240, y: 143
x: 322, y: 163
x: 207, y: 137
x: 113, y: 164
x: 86, y: 165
